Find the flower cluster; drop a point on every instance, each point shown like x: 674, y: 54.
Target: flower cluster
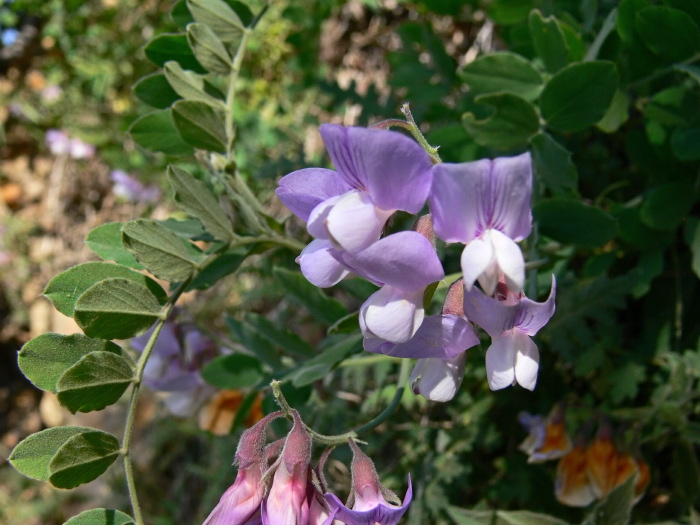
x: 60, y: 143
x: 276, y: 485
x: 588, y: 469
x: 484, y: 205
x: 175, y: 365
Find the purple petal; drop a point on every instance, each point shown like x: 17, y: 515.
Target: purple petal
x: 471, y: 197
x: 301, y: 191
x: 440, y: 336
x: 391, y: 167
x: 318, y: 265
x: 438, y: 379
x: 497, y: 317
x: 167, y: 343
x: 500, y: 361
x: 404, y: 260
x: 382, y: 514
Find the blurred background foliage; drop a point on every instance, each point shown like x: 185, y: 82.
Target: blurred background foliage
x: 615, y: 139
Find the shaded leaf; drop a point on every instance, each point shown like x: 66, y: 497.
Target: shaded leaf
x: 196, y: 200
x: 67, y: 287
x: 667, y: 32
x: 45, y: 358
x: 225, y: 264
x: 189, y: 85
x: 617, y: 113
x: 666, y: 206
x: 684, y: 143
x: 158, y: 249
x: 106, y: 241
x: 83, y: 458
x: 219, y: 16
x: 502, y: 72
x: 286, y: 340
x: 579, y: 95
x: 155, y: 91
x: 200, y: 125
x: 552, y: 165
x: 96, y: 381
x: 337, y: 348
x: 616, y: 508
x: 172, y: 46
x: 116, y: 309
x: 255, y: 344
x: 548, y: 39
x: 156, y: 132
x: 571, y: 221
x: 101, y: 517
x: 322, y: 307
x: 208, y: 49
x: 513, y: 121
x: 233, y: 371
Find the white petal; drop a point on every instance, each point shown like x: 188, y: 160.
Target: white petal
x: 392, y: 314
x: 438, y: 379
x: 527, y: 360
x: 355, y: 223
x: 317, y: 218
x: 500, y: 361
x: 510, y: 260
x: 319, y: 267
x: 476, y: 259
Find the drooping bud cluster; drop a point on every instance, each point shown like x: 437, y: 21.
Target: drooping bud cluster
x: 484, y: 205
x: 276, y: 485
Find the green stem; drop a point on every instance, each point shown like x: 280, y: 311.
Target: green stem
x: 131, y: 415
x: 403, y: 379
x: 410, y: 125
x: 231, y: 93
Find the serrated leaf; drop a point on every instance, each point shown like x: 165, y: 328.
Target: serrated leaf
x: 225, y: 264
x: 189, y: 85
x: 156, y: 132
x: 155, y: 91
x: 116, y: 309
x: 172, y: 46
x: 553, y: 166
x: 578, y: 95
x: 502, y: 72
x: 513, y: 121
x: 218, y: 15
x: 67, y: 287
x: 209, y: 50
x: 548, y: 40
x: 233, y: 371
x: 101, y: 517
x: 200, y: 125
x: 106, y: 241
x: 336, y: 349
x: 45, y: 358
x: 96, y: 381
x: 158, y: 249
x: 196, y: 200
x: 83, y: 458
x: 322, y: 307
x: 573, y: 222
x: 32, y: 455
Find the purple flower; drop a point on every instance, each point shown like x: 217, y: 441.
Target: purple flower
x: 510, y: 320
x: 175, y: 363
x: 368, y: 499
x: 378, y: 173
x: 130, y: 189
x: 486, y: 205
x: 240, y: 504
x: 60, y: 143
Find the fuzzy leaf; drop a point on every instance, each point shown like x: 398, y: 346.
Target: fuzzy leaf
x: 155, y: 91
x: 200, y: 125
x: 156, y: 132
x: 82, y: 458
x: 173, y: 46
x: 189, y: 85
x: 106, y: 241
x: 219, y: 16
x: 44, y: 359
x: 101, y: 517
x: 65, y: 289
x: 208, y: 49
x: 116, y: 309
x: 96, y: 381
x: 502, y: 72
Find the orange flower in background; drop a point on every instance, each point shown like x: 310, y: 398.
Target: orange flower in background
x: 643, y: 479
x: 572, y: 486
x: 218, y: 415
x: 548, y: 438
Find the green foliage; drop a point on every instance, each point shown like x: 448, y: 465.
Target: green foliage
x: 101, y: 517
x: 513, y: 122
x: 233, y: 371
